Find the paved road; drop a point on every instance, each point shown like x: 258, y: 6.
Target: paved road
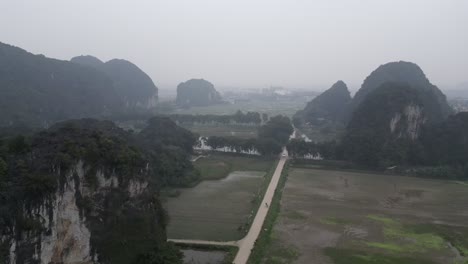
x: 246, y: 245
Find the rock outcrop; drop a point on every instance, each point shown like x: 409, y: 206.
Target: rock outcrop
x: 197, y: 92
x: 85, y: 191
x: 386, y: 125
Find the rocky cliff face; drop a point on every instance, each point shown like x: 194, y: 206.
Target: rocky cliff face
x: 386, y: 125
x: 84, y: 191
x: 65, y: 233
x: 409, y: 122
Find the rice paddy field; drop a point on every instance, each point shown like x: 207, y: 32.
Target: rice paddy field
x: 330, y: 216
x: 221, y: 206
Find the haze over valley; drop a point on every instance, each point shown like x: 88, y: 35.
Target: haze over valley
x: 183, y: 132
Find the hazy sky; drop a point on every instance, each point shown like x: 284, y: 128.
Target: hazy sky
x: 249, y: 43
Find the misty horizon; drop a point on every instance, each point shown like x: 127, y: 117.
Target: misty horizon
x: 243, y: 44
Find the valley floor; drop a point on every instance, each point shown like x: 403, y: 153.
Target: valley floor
x: 340, y: 217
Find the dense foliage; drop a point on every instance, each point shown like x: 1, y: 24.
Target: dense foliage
x: 328, y: 106
x: 278, y: 128
x: 169, y: 147
x: 298, y: 148
x: 197, y: 92
x: 134, y: 86
x: 123, y: 227
x: 39, y: 91
x: 272, y: 136
x: 238, y: 118
x: 446, y: 144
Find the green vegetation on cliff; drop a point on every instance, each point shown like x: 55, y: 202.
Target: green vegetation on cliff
x: 385, y: 126
x: 114, y: 177
x: 410, y: 74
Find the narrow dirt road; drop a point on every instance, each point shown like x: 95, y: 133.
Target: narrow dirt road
x: 247, y: 243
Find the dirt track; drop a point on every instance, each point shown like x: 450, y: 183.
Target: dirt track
x: 247, y: 243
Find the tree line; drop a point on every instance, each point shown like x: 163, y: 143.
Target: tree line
x: 298, y: 148
x: 238, y: 118
x: 441, y: 151
x: 262, y: 146
x: 271, y: 137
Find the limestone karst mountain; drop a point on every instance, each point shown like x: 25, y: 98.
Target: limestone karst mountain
x: 134, y: 86
x: 330, y: 105
x: 197, y: 92
x: 409, y: 73
x: 37, y: 90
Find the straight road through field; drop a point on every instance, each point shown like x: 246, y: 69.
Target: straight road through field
x: 247, y: 243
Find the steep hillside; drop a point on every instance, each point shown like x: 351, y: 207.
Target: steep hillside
x: 409, y: 73
x: 385, y: 126
x: 39, y: 90
x: 86, y: 191
x: 330, y: 105
x: 134, y: 86
x: 197, y: 92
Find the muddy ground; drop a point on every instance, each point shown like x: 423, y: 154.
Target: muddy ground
x: 345, y: 217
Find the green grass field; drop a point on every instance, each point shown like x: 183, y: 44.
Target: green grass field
x: 218, y: 165
x: 341, y: 217
x: 280, y: 107
x: 222, y: 206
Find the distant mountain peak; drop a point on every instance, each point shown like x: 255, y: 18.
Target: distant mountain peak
x: 132, y: 84
x: 403, y: 72
x: 330, y: 105
x: 87, y: 60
